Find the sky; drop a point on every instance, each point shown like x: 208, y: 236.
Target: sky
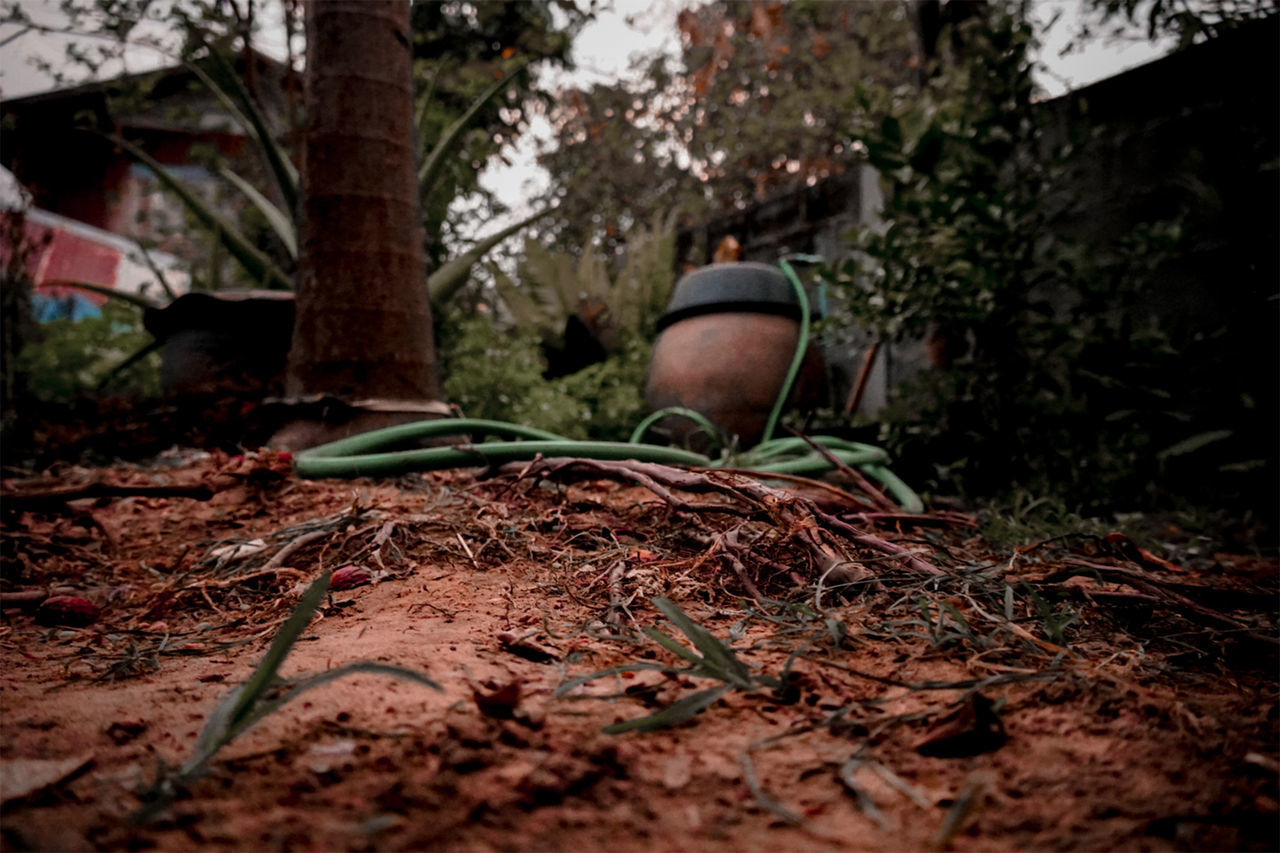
x: 605, y: 51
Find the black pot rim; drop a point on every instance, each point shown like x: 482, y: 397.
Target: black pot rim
x: 791, y: 312
x: 745, y: 287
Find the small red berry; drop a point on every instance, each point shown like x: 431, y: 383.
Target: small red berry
x: 348, y: 577
x: 67, y: 610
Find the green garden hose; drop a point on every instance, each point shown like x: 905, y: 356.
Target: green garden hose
x: 374, y: 453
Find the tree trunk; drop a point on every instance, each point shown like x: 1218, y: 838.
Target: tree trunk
x: 363, y: 322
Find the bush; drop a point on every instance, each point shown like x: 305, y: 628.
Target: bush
x: 498, y: 374
x: 69, y: 358
x: 1061, y: 377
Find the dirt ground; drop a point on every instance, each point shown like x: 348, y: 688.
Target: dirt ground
x: 909, y: 686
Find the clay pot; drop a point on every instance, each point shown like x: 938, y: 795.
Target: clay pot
x: 726, y: 342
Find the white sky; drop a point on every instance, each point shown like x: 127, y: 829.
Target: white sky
x: 604, y: 51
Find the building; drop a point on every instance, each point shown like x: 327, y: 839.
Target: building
x: 90, y: 205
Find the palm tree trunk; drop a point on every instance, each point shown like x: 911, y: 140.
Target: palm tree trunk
x: 363, y: 321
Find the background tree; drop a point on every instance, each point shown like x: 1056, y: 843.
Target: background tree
x: 363, y: 324
x: 1071, y: 365
x: 757, y: 102
x: 1188, y: 22
x: 459, y: 50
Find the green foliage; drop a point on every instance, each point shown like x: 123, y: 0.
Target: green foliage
x: 1187, y: 22
x: 17, y: 323
x: 709, y: 658
x: 757, y: 102
x: 256, y: 264
x: 264, y: 693
x: 459, y: 51
x: 1054, y: 620
x: 959, y: 239
x: 1058, y: 376
x: 243, y: 108
x: 611, y: 392
x: 449, y: 150
x: 617, y: 305
x: 496, y: 374
x: 67, y: 359
x: 446, y: 281
x: 1023, y: 518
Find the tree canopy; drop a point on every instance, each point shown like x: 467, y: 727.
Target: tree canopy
x: 759, y: 99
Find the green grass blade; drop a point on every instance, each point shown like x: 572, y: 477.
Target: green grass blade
x: 446, y: 281
x: 220, y: 730
x: 672, y: 715
x: 155, y: 270
x: 279, y: 221
x: 613, y: 670
x: 778, y: 809
x: 715, y: 652
x: 302, y: 685
x: 1194, y: 443
x: 675, y: 647
x: 256, y: 687
x: 112, y: 293
x: 255, y: 124
x: 448, y: 142
x: 214, y: 735
x: 957, y: 617
x: 255, y: 263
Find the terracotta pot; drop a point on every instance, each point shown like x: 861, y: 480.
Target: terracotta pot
x: 725, y: 346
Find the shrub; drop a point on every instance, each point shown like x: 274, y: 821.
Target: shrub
x: 497, y: 374
x: 72, y: 358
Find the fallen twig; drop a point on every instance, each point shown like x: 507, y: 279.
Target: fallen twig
x: 1154, y: 587
x: 877, y: 497
x: 937, y: 519
x: 53, y: 500
x: 728, y: 543
x: 30, y: 597
x: 616, y: 604
x: 798, y: 515
x: 292, y: 548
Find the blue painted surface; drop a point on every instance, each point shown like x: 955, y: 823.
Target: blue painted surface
x: 71, y: 307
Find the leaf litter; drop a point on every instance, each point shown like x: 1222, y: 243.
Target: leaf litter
x: 629, y: 656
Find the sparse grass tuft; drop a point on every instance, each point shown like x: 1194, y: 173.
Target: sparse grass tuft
x: 263, y: 694
x: 717, y: 661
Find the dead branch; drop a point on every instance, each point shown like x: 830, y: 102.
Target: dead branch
x: 55, y: 500
x: 1154, y: 587
x: 937, y: 519
x: 32, y: 597
x: 292, y: 548
x: 728, y: 543
x: 878, y: 498
x: 749, y: 498
x: 819, y: 485
x: 875, y: 543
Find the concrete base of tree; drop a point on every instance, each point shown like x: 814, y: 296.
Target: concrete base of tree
x: 325, y: 419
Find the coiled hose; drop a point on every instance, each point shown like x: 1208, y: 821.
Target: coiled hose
x: 368, y: 454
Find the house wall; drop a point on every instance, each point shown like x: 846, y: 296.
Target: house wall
x: 80, y: 175
x: 1193, y: 130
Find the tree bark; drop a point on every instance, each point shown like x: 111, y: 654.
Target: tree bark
x: 363, y: 319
